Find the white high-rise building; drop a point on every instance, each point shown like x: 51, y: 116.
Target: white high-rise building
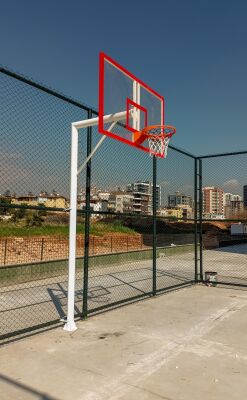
x: 143, y: 195
x: 213, y: 198
x: 228, y: 197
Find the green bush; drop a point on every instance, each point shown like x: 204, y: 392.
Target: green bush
x: 34, y: 218
x: 4, y: 202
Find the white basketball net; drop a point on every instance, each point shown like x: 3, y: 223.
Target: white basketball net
x: 158, y: 145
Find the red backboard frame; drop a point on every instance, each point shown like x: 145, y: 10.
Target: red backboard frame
x: 102, y: 58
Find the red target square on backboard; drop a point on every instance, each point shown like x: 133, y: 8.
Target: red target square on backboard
x: 134, y: 104
x: 141, y: 114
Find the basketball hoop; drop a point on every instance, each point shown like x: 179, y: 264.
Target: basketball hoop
x: 158, y: 137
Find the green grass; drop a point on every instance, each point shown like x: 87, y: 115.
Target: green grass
x: 98, y: 228
x: 20, y: 231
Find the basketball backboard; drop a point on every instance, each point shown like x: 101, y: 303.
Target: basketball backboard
x: 137, y: 105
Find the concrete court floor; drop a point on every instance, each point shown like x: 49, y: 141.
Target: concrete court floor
x: 187, y: 345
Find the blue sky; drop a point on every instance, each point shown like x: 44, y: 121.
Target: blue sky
x: 193, y: 52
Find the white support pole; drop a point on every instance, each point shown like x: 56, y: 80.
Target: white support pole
x: 95, y: 149
x: 94, y: 121
x: 70, y: 324
x: 138, y: 101
x: 91, y: 155
x: 134, y: 123
x: 136, y: 111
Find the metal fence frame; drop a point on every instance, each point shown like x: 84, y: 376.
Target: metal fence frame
x: 198, y: 220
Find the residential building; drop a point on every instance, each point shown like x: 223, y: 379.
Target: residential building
x: 81, y: 196
x: 170, y: 212
x: 94, y: 191
x: 213, y: 201
x: 29, y: 199
x: 48, y: 201
x: 234, y: 208
x: 95, y: 206
x: 103, y: 195
x: 236, y: 197
x: 187, y: 211
x: 179, y: 211
x: 112, y: 200
x: 179, y: 199
x: 124, y: 203
x: 228, y: 197
x: 143, y: 197
x: 54, y: 202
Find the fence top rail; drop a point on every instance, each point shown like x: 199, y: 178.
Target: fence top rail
x: 234, y: 153
x: 45, y: 89
x: 186, y: 153
x: 65, y: 98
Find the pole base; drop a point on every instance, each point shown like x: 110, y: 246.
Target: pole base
x: 70, y: 326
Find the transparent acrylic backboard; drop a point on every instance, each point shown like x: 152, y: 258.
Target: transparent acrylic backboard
x: 134, y: 103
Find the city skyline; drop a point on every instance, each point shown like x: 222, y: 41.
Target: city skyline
x: 137, y: 197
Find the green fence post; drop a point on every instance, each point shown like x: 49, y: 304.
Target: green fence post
x: 154, y: 223
x: 195, y: 218
x: 200, y: 218
x: 87, y: 221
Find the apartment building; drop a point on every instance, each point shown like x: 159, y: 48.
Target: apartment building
x: 124, y: 203
x: 234, y: 208
x: 180, y: 199
x: 228, y: 197
x: 174, y: 212
x: 143, y: 196
x: 180, y: 211
x: 213, y: 201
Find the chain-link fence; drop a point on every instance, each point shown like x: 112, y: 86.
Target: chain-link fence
x: 34, y: 190
x: 224, y: 217
x: 144, y: 225
x: 131, y: 242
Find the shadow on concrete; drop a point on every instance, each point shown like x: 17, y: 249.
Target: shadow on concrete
x: 236, y: 249
x: 26, y: 389
x: 43, y: 305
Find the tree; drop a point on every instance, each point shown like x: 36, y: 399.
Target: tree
x: 33, y: 218
x: 42, y: 211
x: 4, y: 202
x: 18, y: 213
